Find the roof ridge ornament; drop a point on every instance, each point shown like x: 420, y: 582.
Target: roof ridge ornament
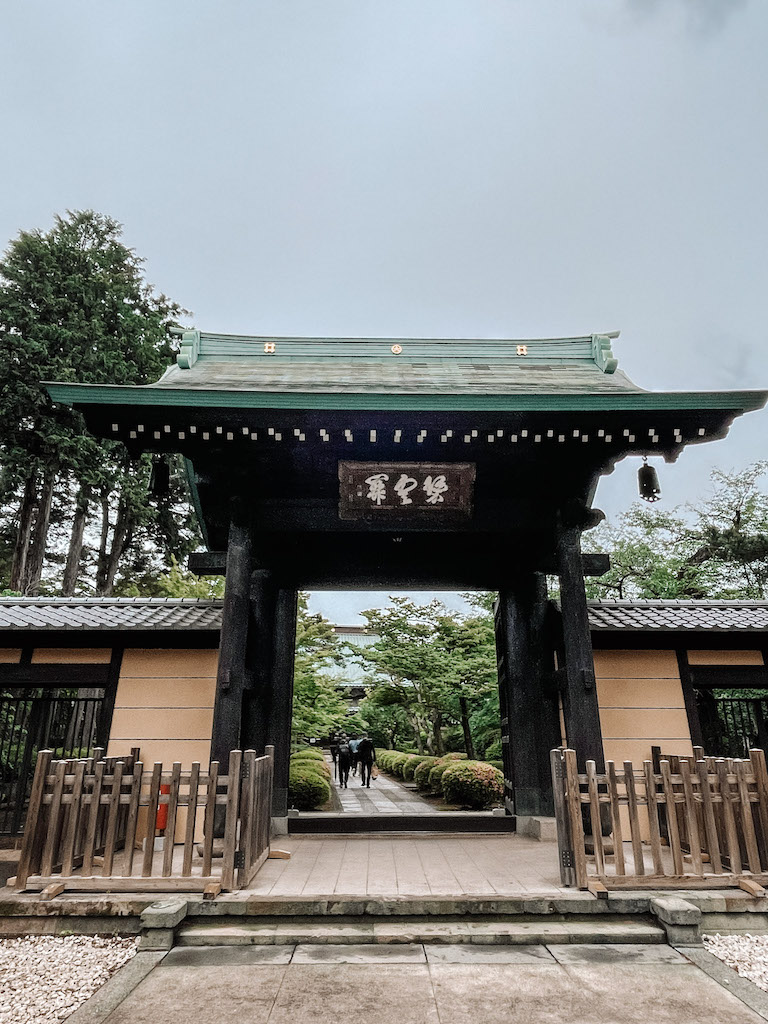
x: 189, y: 350
x: 602, y: 353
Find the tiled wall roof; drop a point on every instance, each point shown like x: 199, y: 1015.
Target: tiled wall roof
x: 701, y: 616
x: 105, y: 613
x: 166, y: 613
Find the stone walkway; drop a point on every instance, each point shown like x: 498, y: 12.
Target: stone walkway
x: 411, y: 865
x: 426, y: 984
x: 385, y: 796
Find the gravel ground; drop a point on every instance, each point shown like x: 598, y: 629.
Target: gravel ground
x: 44, y: 978
x: 747, y: 954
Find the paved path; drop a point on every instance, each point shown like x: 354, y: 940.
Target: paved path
x: 385, y: 796
x: 414, y: 865
x: 429, y: 985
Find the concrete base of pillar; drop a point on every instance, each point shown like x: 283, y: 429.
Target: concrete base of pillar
x: 280, y: 826
x: 537, y: 827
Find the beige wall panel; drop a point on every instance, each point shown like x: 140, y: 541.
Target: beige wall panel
x: 71, y: 656
x: 166, y: 693
x: 725, y: 658
x: 153, y: 663
x: 9, y: 657
x: 637, y: 751
x: 166, y: 751
x: 161, y: 724
x: 640, y: 693
x: 640, y: 723
x: 636, y: 665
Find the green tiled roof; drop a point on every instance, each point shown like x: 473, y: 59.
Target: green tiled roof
x: 399, y: 373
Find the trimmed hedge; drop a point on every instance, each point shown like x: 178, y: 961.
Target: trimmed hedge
x: 455, y: 755
x: 410, y: 766
x: 497, y: 764
x: 474, y: 784
x: 396, y: 763
x: 307, y: 789
x: 421, y: 774
x: 312, y: 752
x: 319, y: 767
x: 436, y: 773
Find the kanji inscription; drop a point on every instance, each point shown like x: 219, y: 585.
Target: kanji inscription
x: 405, y: 488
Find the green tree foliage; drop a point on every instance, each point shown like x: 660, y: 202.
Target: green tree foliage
x: 318, y: 707
x: 717, y: 549
x: 429, y: 668
x: 74, y: 306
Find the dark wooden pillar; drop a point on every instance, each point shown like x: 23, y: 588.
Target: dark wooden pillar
x: 582, y: 717
x: 269, y: 704
x: 258, y: 699
x: 528, y: 700
x: 231, y: 678
x: 281, y: 712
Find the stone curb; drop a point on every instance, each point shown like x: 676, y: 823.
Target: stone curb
x: 102, y: 1003
x: 744, y: 990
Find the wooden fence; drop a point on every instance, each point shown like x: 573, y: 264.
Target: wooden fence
x: 684, y: 822
x: 84, y: 818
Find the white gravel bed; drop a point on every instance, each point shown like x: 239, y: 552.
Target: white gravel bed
x: 44, y: 978
x: 747, y: 954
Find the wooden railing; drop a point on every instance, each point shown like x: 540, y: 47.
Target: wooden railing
x: 84, y: 818
x: 684, y: 822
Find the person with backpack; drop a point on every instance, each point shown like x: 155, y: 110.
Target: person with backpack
x: 345, y: 760
x: 353, y: 745
x: 366, y: 756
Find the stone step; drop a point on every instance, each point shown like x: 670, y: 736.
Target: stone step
x: 612, y: 928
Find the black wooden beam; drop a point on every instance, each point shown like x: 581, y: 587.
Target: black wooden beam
x: 282, y: 694
x: 71, y: 675
x: 529, y: 703
x: 258, y: 699
x: 338, y: 573
x: 231, y: 676
x: 582, y: 717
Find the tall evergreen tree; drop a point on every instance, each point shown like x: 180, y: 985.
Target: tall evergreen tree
x: 74, y: 306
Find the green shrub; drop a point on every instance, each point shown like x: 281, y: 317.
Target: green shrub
x: 383, y: 759
x: 410, y: 766
x: 396, y: 761
x: 436, y: 773
x: 307, y: 789
x: 312, y: 752
x: 455, y: 755
x: 493, y: 752
x: 310, y: 764
x: 497, y: 764
x: 474, y: 784
x: 421, y: 774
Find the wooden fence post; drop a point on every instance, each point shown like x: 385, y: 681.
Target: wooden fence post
x: 231, y: 820
x: 32, y: 846
x: 573, y: 798
x: 564, y: 840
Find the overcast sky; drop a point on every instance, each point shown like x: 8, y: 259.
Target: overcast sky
x: 497, y: 168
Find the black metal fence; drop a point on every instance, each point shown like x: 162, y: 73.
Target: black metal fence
x: 732, y: 726
x: 31, y: 721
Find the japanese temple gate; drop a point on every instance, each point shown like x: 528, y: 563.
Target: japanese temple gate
x: 372, y: 463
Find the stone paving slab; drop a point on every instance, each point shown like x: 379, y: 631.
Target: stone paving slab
x: 606, y: 953
x: 359, y: 954
x: 582, y: 994
x: 203, y: 995
x: 535, y: 991
x: 226, y: 956
x: 366, y: 993
x: 487, y: 954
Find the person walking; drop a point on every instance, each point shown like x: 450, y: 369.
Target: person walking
x: 366, y: 755
x: 345, y: 760
x: 335, y: 753
x: 353, y: 745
